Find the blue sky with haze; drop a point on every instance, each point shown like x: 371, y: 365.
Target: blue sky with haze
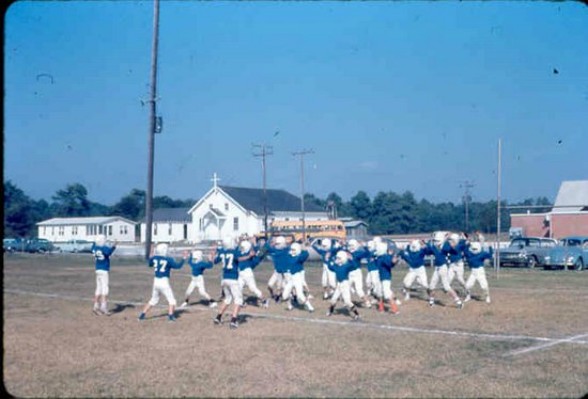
x: 391, y: 96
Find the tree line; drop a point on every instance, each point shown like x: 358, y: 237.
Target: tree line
x: 385, y: 213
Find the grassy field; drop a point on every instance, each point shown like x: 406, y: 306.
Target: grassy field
x: 532, y: 341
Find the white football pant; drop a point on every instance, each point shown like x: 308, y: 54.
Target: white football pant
x: 232, y: 292
x: 419, y: 274
x: 342, y: 290
x: 440, y: 273
x: 478, y: 274
x: 373, y: 283
x: 356, y: 282
x: 276, y: 280
x: 294, y: 281
x: 455, y: 270
x: 387, y: 290
x: 197, y: 282
x: 101, y: 282
x: 247, y: 279
x: 329, y: 279
x: 161, y: 286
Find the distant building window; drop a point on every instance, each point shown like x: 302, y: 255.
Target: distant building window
x: 169, y: 229
x: 52, y: 231
x: 100, y: 229
x: 109, y: 230
x: 226, y: 206
x: 155, y: 229
x: 61, y: 230
x: 74, y: 230
x: 210, y: 206
x: 44, y: 230
x: 236, y: 224
x: 200, y: 225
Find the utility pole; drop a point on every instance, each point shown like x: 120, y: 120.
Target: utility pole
x: 301, y: 154
x: 498, y: 193
x: 264, y: 151
x: 152, y: 129
x: 466, y: 185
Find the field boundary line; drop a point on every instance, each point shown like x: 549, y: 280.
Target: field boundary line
x: 358, y: 324
x: 547, y: 345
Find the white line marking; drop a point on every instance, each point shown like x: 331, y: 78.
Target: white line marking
x: 547, y: 345
x: 360, y: 324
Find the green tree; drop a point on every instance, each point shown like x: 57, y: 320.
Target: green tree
x: 131, y: 206
x: 18, y: 220
x: 72, y: 201
x: 360, y: 206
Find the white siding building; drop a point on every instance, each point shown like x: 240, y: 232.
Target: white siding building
x: 87, y: 228
x: 229, y: 211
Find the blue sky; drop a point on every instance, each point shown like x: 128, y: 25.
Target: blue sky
x: 391, y: 96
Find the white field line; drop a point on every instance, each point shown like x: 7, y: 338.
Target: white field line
x: 360, y: 324
x: 547, y: 345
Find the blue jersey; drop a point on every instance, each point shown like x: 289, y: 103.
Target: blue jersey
x: 371, y: 265
x: 325, y: 254
x: 440, y: 258
x: 385, y: 264
x: 102, y: 256
x: 199, y: 267
x: 250, y: 262
x: 454, y: 254
x: 414, y: 259
x: 476, y: 260
x: 230, y: 260
x: 296, y: 263
x: 280, y: 258
x: 163, y: 265
x: 341, y: 272
x: 361, y: 253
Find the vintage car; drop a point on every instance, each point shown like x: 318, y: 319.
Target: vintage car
x: 571, y: 252
x: 74, y: 246
x: 526, y: 251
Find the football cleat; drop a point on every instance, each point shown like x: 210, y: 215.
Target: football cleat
x: 355, y: 317
x: 265, y: 304
x: 488, y: 299
x: 467, y: 298
x: 290, y: 307
x: 217, y: 320
x: 213, y: 305
x: 171, y: 318
x: 234, y: 324
x: 325, y: 296
x: 397, y: 302
x: 96, y: 311
x: 431, y: 302
x: 460, y: 305
x: 141, y: 317
x: 406, y: 296
x: 183, y: 305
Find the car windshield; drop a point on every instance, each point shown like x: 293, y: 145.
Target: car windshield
x: 571, y: 242
x: 517, y: 243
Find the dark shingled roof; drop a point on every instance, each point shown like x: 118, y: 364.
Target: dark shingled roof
x: 277, y: 200
x: 171, y: 215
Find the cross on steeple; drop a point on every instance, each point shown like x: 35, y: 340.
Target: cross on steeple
x: 215, y: 180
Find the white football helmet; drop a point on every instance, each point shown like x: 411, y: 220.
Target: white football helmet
x: 438, y: 238
x: 377, y: 239
x: 161, y: 249
x: 381, y: 248
x: 295, y: 249
x: 341, y: 258
x: 280, y: 242
x: 245, y: 246
x: 371, y: 245
x: 197, y: 255
x: 475, y: 247
x: 415, y: 246
x: 228, y: 243
x: 326, y: 244
x: 353, y: 245
x: 454, y: 239
x: 100, y: 240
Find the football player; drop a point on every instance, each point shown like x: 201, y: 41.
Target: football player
x: 476, y: 259
x: 414, y: 256
x: 198, y: 265
x: 249, y: 261
x: 280, y: 253
x: 453, y: 249
x: 162, y: 265
x: 440, y: 274
x: 325, y: 251
x: 102, y: 253
x: 358, y: 253
x: 342, y: 265
x: 295, y: 280
x: 385, y: 262
x: 229, y: 256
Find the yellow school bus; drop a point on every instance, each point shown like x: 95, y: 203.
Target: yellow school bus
x: 313, y: 228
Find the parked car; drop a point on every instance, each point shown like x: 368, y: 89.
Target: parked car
x: 571, y: 252
x: 39, y: 245
x: 526, y: 251
x: 12, y: 244
x: 74, y: 246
